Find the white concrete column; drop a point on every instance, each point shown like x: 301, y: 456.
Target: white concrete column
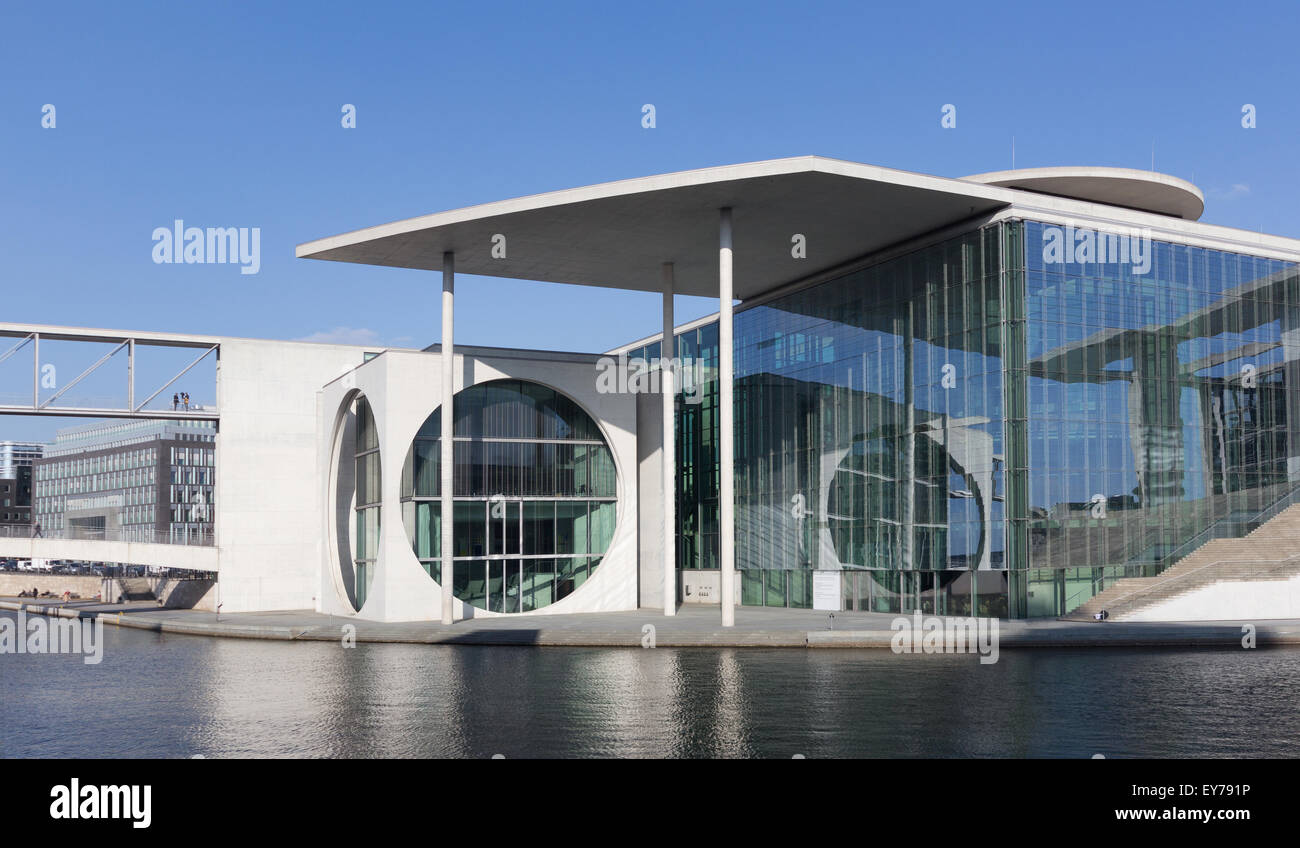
x: 446, y: 445
x: 726, y: 429
x: 667, y: 359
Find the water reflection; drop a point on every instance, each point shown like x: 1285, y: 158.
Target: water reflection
x: 176, y: 696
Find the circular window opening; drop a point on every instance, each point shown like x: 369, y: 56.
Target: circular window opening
x: 869, y: 513
x: 535, y: 494
x: 358, y: 493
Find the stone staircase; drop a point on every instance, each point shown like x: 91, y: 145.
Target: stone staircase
x: 1269, y: 552
x: 134, y: 589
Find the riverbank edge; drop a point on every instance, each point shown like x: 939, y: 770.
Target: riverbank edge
x: 1107, y: 635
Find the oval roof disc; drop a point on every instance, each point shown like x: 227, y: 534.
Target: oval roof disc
x: 1146, y: 191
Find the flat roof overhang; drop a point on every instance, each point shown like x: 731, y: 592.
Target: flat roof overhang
x: 618, y: 234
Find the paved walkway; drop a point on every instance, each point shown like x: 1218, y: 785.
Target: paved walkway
x: 691, y: 627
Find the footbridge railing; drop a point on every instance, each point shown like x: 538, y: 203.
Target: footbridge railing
x: 143, y: 535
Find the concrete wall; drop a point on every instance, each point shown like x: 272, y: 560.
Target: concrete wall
x: 403, y: 388
x: 188, y: 593
x: 704, y: 586
x: 87, y: 586
x: 649, y: 457
x: 1241, y: 600
x: 269, y: 528
x: 185, y: 594
x: 196, y: 557
x: 279, y: 537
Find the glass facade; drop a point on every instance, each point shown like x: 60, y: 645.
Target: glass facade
x: 697, y: 444
x: 1157, y: 407
x: 149, y: 481
x: 535, y: 496
x: 870, y: 434
x: 16, y: 478
x: 973, y: 428
x: 365, y: 540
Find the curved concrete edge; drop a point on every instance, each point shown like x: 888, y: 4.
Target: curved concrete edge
x: 190, y: 629
x: 1150, y: 191
x: 47, y: 609
x: 1217, y: 635
x: 1164, y: 635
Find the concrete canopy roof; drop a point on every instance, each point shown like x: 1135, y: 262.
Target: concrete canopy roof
x: 1146, y: 191
x: 618, y: 234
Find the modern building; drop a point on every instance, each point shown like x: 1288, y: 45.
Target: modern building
x: 131, y: 480
x: 16, y: 460
x: 994, y: 395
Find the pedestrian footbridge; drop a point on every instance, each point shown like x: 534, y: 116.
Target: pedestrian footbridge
x: 196, y: 557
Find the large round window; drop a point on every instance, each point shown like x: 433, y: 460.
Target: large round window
x: 535, y: 496
x: 868, y: 512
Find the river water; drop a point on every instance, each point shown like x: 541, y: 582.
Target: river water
x: 156, y: 695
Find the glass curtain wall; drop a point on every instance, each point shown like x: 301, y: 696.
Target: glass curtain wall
x: 870, y: 435
x: 1158, y: 412
x: 981, y: 427
x: 697, y: 444
x: 870, y: 418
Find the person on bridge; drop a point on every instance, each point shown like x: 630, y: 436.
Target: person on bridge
x: 37, y: 533
x: 176, y: 402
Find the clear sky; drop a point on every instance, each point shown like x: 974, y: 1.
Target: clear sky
x: 229, y: 115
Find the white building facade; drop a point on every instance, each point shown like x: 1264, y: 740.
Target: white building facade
x: 546, y: 492
x: 922, y: 402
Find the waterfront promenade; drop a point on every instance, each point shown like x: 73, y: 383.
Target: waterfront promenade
x: 691, y: 627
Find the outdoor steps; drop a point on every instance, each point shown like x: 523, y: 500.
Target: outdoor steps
x: 1254, y: 556
x: 135, y: 589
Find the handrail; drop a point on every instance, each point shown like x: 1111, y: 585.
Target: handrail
x: 1163, y: 583
x: 1201, y: 539
x: 1289, y: 499
x: 1091, y: 592
x: 149, y: 535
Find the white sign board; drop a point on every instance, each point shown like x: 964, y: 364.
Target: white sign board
x: 826, y: 590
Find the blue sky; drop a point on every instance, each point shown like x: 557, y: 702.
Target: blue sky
x: 229, y: 115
